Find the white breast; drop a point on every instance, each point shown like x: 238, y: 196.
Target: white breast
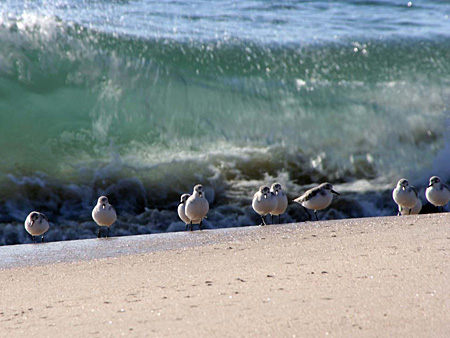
x: 38, y: 228
x: 182, y: 213
x: 405, y: 198
x: 196, y: 208
x: 264, y: 205
x: 438, y: 197
x: 282, y: 203
x: 104, y: 217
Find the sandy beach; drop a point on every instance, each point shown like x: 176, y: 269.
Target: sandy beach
x: 372, y: 277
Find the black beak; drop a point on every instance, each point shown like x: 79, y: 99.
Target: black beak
x: 335, y: 192
x: 430, y: 185
x: 180, y: 203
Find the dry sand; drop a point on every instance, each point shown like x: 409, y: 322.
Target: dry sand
x: 373, y: 277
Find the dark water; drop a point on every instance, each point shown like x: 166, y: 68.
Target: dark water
x: 142, y: 100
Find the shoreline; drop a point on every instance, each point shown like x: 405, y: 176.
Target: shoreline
x: 366, y: 277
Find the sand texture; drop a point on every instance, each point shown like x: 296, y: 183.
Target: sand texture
x: 373, y: 277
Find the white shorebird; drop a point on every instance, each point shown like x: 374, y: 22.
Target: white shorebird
x: 182, y: 211
x: 197, y: 206
x: 414, y: 210
x: 405, y: 196
x: 437, y: 192
x: 282, y: 201
x: 317, y: 198
x: 36, y: 224
x: 264, y: 202
x: 104, y: 214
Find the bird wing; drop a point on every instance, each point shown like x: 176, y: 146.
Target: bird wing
x: 45, y: 217
x: 308, y: 195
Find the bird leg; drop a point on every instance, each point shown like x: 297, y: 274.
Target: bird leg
x: 307, y: 212
x: 98, y: 233
x: 315, y: 214
x: 191, y: 225
x: 34, y: 241
x: 272, y: 218
x: 107, y: 233
x: 42, y: 240
x: 187, y: 224
x: 263, y: 221
x: 409, y: 213
x: 200, y: 225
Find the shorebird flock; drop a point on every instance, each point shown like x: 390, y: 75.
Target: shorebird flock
x: 193, y: 208
x: 409, y: 202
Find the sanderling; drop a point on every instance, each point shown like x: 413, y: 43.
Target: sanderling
x: 405, y: 196
x: 317, y: 198
x: 414, y: 210
x: 282, y: 201
x: 36, y: 224
x: 264, y: 202
x: 104, y: 214
x: 437, y: 192
x: 181, y: 209
x: 197, y: 206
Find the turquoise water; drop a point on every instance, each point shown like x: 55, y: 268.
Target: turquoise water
x: 141, y: 100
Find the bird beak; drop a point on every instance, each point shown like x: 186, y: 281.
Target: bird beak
x: 265, y: 195
x: 335, y: 192
x: 201, y: 194
x: 276, y: 192
x: 32, y: 223
x: 180, y: 203
x: 104, y: 206
x: 430, y: 185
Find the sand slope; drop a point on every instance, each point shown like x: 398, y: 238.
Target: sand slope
x: 373, y: 277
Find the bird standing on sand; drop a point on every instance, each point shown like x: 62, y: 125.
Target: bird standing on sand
x: 36, y: 224
x: 104, y: 214
x: 405, y: 196
x: 282, y: 201
x: 437, y: 193
x: 182, y: 209
x: 197, y: 206
x: 317, y: 198
x: 264, y: 202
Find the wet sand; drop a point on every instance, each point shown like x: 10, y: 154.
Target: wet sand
x: 372, y: 277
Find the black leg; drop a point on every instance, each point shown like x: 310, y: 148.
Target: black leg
x: 191, y: 225
x: 42, y: 240
x: 185, y: 229
x: 200, y: 225
x: 34, y: 241
x: 279, y: 219
x: 272, y: 218
x: 98, y: 233
x: 307, y: 212
x: 107, y: 233
x: 315, y: 214
x: 409, y: 213
x: 263, y: 221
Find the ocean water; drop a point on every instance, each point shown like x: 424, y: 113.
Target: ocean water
x: 141, y: 100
